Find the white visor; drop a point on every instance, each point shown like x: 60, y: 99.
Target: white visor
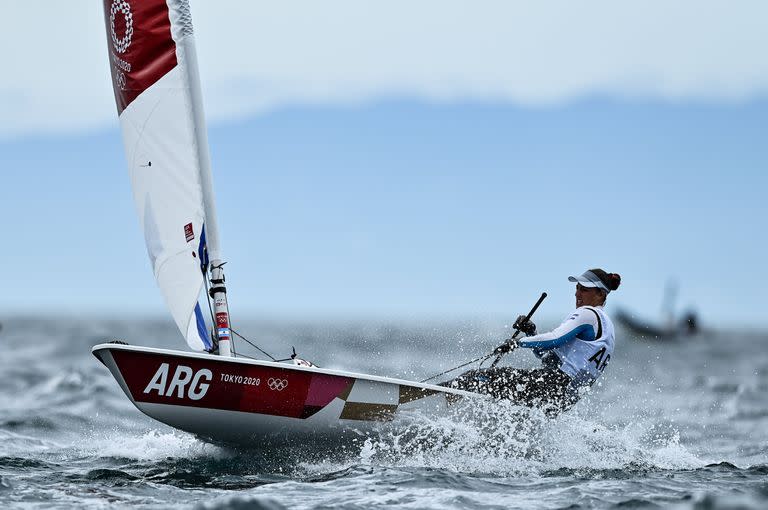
x: 589, y: 279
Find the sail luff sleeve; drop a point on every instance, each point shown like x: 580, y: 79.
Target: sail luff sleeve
x: 186, y: 49
x: 158, y: 116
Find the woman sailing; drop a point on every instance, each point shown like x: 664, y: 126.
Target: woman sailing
x: 573, y: 355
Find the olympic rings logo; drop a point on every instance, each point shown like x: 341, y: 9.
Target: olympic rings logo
x: 122, y: 7
x: 120, y: 79
x: 277, y: 384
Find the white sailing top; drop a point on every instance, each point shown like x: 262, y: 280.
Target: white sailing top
x: 583, y: 343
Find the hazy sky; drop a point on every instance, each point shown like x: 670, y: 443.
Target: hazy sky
x: 257, y: 55
x: 411, y: 159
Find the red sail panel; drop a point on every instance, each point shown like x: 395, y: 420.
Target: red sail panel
x: 141, y: 49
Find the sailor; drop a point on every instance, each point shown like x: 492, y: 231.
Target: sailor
x: 690, y: 323
x: 573, y: 355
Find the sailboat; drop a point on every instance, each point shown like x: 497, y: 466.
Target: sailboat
x: 211, y: 391
x: 671, y: 328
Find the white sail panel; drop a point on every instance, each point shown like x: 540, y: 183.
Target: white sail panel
x: 148, y: 41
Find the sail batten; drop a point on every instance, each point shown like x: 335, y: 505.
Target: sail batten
x: 157, y: 94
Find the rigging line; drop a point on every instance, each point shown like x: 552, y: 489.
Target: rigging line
x: 232, y: 340
x: 481, y: 359
x: 257, y: 359
x: 213, y: 320
x: 246, y: 356
x: 254, y: 345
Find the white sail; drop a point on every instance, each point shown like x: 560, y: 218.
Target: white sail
x: 157, y: 91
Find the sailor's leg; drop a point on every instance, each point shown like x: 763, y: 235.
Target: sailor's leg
x: 472, y: 380
x: 546, y: 388
x: 491, y: 381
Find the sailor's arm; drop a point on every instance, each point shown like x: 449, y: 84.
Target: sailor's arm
x: 582, y: 324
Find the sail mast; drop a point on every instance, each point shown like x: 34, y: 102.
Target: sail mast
x: 203, y: 153
x: 218, y: 291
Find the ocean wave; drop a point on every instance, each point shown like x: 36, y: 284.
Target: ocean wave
x: 241, y: 503
x: 23, y: 445
x: 752, y: 500
x: 31, y: 422
x: 109, y: 475
x: 667, y: 428
x: 24, y: 463
x: 500, y: 439
x: 151, y: 445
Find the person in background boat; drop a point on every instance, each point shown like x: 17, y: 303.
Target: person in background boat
x: 690, y: 323
x: 573, y: 355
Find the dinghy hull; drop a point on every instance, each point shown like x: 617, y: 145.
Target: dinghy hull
x: 234, y: 400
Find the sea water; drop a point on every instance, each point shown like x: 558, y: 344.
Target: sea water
x: 673, y: 424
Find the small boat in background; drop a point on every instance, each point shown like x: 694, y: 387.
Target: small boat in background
x: 669, y: 328
x: 687, y: 326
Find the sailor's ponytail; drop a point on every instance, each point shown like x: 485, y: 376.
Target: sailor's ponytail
x: 614, y: 280
x: 610, y: 280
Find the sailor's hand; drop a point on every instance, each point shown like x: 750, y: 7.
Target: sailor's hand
x: 506, y: 347
x: 526, y: 326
